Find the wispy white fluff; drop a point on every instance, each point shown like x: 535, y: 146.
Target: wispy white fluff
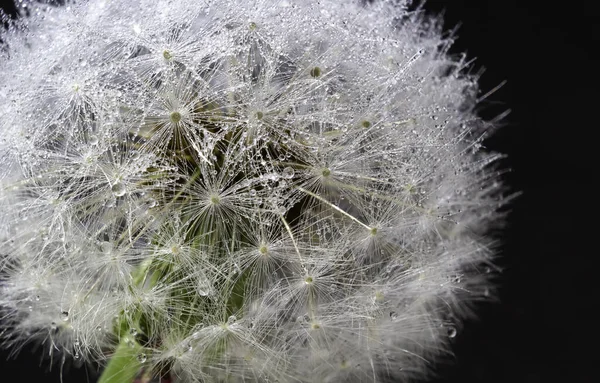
x: 262, y: 190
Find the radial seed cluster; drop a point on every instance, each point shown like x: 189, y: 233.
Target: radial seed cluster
x: 240, y: 190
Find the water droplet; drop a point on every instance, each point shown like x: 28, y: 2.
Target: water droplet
x: 142, y: 358
x: 203, y: 289
x: 93, y: 140
x: 118, y: 189
x: 315, y: 72
x: 133, y: 332
x: 451, y: 331
x: 393, y: 315
x: 231, y: 319
x: 64, y: 316
x: 252, y: 192
x: 288, y: 172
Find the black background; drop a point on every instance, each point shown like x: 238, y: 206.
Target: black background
x: 542, y: 330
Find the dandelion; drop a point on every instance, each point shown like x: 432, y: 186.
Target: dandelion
x: 240, y: 191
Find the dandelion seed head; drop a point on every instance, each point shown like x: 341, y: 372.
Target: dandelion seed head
x: 244, y: 191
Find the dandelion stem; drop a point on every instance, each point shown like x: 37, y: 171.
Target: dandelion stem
x: 124, y: 364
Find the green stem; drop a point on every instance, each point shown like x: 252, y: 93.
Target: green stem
x: 125, y: 363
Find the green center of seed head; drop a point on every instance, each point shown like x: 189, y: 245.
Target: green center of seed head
x: 215, y: 199
x: 263, y: 250
x: 259, y: 115
x: 252, y: 25
x: 315, y: 72
x: 373, y: 231
x: 325, y: 172
x: 308, y: 280
x: 175, y: 117
x: 167, y: 55
x: 366, y: 124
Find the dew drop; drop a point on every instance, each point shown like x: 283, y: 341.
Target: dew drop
x: 315, y: 72
x: 93, y: 140
x: 64, y: 316
x: 118, y: 189
x: 203, y: 289
x: 288, y: 172
x: 393, y: 315
x: 133, y: 332
x: 451, y: 331
x: 142, y: 358
x: 231, y: 319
